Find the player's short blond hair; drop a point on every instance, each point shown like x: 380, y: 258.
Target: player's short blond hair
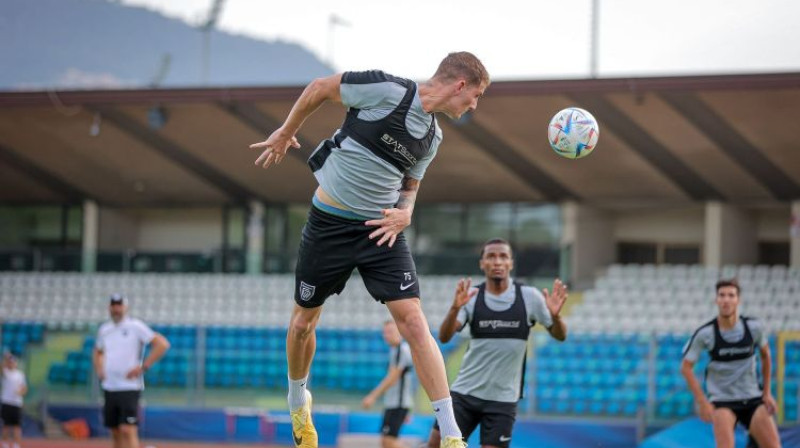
x: 462, y: 64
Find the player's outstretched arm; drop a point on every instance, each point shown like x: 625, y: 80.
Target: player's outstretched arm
x: 396, y: 219
x: 450, y: 324
x: 23, y: 389
x: 555, y: 302
x: 704, y: 407
x: 766, y: 371
x: 391, y: 378
x: 98, y: 361
x: 274, y: 148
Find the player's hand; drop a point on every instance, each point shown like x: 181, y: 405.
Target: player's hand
x: 769, y: 403
x: 275, y: 147
x: 556, y: 300
x: 368, y: 401
x: 464, y: 293
x: 393, y: 222
x: 135, y: 372
x: 100, y: 375
x: 705, y: 411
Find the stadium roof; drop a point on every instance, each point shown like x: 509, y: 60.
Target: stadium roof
x: 668, y: 140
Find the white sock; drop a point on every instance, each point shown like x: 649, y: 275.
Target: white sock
x: 443, y: 409
x: 5, y: 445
x: 16, y: 445
x: 297, y: 393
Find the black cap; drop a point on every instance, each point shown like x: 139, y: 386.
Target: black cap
x: 117, y: 299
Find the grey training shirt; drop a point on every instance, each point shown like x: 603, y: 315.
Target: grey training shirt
x: 400, y: 394
x: 492, y: 368
x: 732, y: 380
x: 355, y: 177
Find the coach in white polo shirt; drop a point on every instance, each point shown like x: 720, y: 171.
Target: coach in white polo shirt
x: 13, y: 389
x: 118, y: 363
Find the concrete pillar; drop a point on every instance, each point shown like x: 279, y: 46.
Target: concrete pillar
x: 730, y: 235
x: 91, y: 229
x: 255, y: 238
x: 712, y: 246
x: 794, y: 236
x: 587, y: 242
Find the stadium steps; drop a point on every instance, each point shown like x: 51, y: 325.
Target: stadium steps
x: 55, y: 348
x: 52, y: 428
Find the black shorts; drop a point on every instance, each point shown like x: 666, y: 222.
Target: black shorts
x: 495, y: 417
x: 121, y: 408
x: 11, y: 415
x: 743, y: 409
x: 393, y: 419
x: 331, y: 247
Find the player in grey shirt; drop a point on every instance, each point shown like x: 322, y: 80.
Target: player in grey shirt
x: 396, y: 387
x: 499, y: 314
x: 369, y: 173
x: 734, y: 394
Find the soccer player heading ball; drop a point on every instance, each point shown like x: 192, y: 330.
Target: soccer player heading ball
x: 369, y: 172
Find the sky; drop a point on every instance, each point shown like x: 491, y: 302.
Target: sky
x: 522, y: 39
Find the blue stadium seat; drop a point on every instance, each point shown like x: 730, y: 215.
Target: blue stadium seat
x: 545, y: 393
x: 546, y: 406
x: 597, y: 408
x: 614, y: 408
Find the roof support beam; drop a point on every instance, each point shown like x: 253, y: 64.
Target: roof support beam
x: 506, y: 155
x: 260, y: 122
x: 178, y: 155
x: 733, y: 144
x: 649, y: 148
x: 51, y: 181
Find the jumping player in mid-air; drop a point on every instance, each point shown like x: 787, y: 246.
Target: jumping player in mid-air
x: 369, y: 172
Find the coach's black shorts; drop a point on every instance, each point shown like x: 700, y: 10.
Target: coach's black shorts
x: 331, y: 247
x: 495, y: 417
x: 121, y: 408
x: 11, y: 415
x: 393, y: 419
x: 743, y: 409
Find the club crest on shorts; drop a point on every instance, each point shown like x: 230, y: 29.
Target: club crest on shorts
x: 306, y: 291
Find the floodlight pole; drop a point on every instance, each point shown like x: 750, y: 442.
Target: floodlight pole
x: 595, y: 18
x: 329, y: 55
x: 333, y: 21
x: 206, y: 29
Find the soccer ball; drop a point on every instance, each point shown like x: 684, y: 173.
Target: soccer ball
x: 573, y: 133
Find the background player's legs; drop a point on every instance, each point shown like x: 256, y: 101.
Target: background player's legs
x: 391, y: 442
x: 435, y: 439
x: 129, y: 436
x: 393, y: 420
x: 116, y: 438
x: 6, y: 431
x: 17, y: 434
x: 724, y: 421
x: 763, y: 429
